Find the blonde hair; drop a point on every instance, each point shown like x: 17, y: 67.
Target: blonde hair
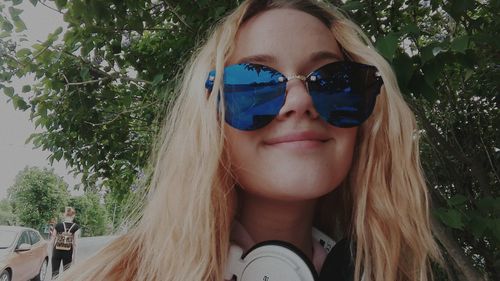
x: 184, y: 231
x: 69, y: 212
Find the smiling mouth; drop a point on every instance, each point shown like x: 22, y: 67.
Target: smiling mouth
x: 299, y: 144
x: 298, y: 140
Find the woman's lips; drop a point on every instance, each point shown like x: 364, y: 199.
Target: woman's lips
x: 307, y: 139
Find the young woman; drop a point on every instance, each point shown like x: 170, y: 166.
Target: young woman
x: 65, y: 242
x: 291, y: 130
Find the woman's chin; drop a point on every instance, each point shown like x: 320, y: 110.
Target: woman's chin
x: 292, y: 192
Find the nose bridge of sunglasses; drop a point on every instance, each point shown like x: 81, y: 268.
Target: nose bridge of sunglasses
x: 296, y: 76
x: 297, y: 95
x: 302, y: 78
x: 290, y: 78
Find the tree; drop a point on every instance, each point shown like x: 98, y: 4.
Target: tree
x: 7, y: 217
x: 102, y: 91
x: 445, y: 54
x: 37, y: 196
x: 90, y: 214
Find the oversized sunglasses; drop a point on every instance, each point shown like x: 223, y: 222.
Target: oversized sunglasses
x: 343, y: 93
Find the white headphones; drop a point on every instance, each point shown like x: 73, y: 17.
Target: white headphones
x: 281, y: 261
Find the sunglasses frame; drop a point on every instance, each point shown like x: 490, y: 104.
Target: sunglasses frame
x: 349, y: 67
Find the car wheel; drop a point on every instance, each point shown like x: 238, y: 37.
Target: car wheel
x: 5, y: 276
x: 42, y: 273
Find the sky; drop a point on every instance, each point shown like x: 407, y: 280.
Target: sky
x: 15, y: 126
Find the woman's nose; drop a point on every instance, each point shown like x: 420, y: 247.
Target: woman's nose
x: 298, y: 102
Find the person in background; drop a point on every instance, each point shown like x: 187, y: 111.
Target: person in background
x: 65, y: 242
x: 52, y: 224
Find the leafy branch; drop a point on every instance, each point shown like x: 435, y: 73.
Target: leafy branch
x: 120, y: 114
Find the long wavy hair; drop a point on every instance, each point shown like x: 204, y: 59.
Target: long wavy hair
x: 183, y: 233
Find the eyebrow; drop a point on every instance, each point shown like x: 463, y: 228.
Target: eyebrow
x: 258, y: 59
x: 324, y: 55
x: 269, y: 59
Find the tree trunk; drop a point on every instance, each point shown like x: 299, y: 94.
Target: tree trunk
x: 460, y: 262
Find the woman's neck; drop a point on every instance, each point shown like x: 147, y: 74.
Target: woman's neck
x: 268, y: 219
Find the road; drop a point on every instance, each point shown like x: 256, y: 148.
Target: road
x: 87, y: 246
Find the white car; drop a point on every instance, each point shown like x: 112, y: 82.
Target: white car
x: 24, y: 254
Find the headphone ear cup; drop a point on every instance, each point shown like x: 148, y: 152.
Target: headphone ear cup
x: 339, y: 264
x: 270, y: 261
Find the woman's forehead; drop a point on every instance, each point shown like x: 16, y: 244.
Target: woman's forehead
x: 280, y: 35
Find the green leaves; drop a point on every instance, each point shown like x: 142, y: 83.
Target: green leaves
x: 26, y: 88
x: 481, y: 222
x: 411, y: 29
x: 14, y: 12
x: 429, y: 52
x: 6, y: 26
x: 387, y: 45
x: 450, y: 217
x: 460, y: 44
x: 84, y: 73
x: 9, y: 91
x: 18, y: 23
x: 23, y: 53
x: 404, y: 68
x: 457, y: 200
x: 19, y: 103
x: 58, y: 31
x: 352, y: 5
x: 92, y: 216
x: 432, y: 71
x: 459, y: 8
x: 157, y: 79
x: 60, y: 4
x: 37, y: 196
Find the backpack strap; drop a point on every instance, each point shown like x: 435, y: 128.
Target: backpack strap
x: 69, y: 230
x: 64, y: 225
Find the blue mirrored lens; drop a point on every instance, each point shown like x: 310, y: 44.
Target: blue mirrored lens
x: 344, y: 93
x: 253, y: 95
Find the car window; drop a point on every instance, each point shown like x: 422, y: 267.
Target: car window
x: 7, y: 237
x: 35, y: 237
x: 23, y: 239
